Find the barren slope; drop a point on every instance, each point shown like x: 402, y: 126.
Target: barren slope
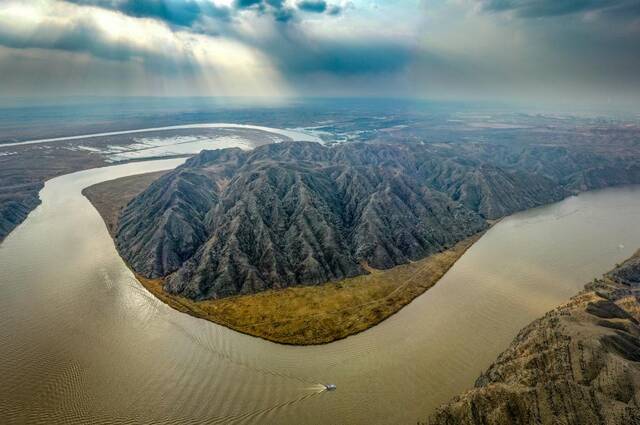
x: 579, y: 364
x: 230, y: 222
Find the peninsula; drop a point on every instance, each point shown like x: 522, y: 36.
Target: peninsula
x: 304, y: 244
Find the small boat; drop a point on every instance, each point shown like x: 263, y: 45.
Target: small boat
x: 330, y: 387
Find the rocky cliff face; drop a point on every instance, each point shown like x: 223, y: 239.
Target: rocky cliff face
x: 579, y: 364
x: 163, y: 229
x: 575, y: 167
x: 232, y: 222
x: 492, y: 191
x: 14, y: 208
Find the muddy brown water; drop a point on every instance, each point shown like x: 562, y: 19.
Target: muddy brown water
x: 82, y: 342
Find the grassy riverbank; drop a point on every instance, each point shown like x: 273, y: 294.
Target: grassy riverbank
x: 307, y: 315
x: 297, y: 315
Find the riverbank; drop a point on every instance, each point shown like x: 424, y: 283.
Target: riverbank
x: 579, y: 363
x: 309, y: 315
x: 304, y: 315
x: 25, y: 166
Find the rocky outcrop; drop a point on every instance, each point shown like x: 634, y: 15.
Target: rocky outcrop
x: 161, y: 231
x: 579, y: 364
x: 576, y: 167
x: 231, y: 222
x: 23, y: 172
x: 15, y: 207
x: 495, y: 192
x: 279, y: 226
x: 627, y: 273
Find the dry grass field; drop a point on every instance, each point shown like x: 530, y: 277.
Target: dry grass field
x: 320, y: 314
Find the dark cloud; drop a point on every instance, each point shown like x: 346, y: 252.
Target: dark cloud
x: 298, y: 56
x: 189, y: 13
x: 319, y: 6
x: 82, y: 37
x: 275, y: 8
x: 548, y: 8
x: 284, y: 14
x: 334, y: 10
x: 183, y: 13
x: 292, y: 50
x: 314, y: 6
x: 244, y: 4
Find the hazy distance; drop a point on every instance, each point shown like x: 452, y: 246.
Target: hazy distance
x: 544, y: 51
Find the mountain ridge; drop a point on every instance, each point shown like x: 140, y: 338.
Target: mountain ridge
x: 231, y: 222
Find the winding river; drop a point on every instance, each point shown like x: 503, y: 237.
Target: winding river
x: 294, y: 134
x: 81, y: 341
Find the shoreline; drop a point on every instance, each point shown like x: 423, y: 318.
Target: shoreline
x: 300, y: 315
x: 528, y: 382
x: 213, y: 310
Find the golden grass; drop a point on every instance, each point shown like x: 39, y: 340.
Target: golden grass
x: 320, y: 314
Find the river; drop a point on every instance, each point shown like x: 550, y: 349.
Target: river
x: 81, y: 341
x: 295, y: 134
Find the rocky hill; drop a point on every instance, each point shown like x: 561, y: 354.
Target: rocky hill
x: 233, y: 222
x: 579, y: 364
x: 14, y: 209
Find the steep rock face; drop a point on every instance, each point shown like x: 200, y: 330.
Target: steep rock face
x: 604, y: 176
x: 628, y: 273
x: 162, y: 228
x: 313, y: 220
x: 576, y: 168
x: 274, y: 227
x: 579, y: 364
x: 402, y: 220
x: 231, y: 222
x: 14, y: 211
x: 494, y: 192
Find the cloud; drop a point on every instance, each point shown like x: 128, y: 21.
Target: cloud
x: 85, y: 33
x: 334, y: 10
x: 313, y: 6
x: 550, y: 8
x: 191, y: 13
x: 107, y: 35
x: 342, y: 58
x: 277, y: 9
x: 299, y: 52
x: 319, y: 6
x: 244, y: 4
x: 582, y: 49
x: 183, y: 13
x: 128, y: 30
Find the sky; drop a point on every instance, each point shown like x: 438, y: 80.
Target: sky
x: 562, y: 51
